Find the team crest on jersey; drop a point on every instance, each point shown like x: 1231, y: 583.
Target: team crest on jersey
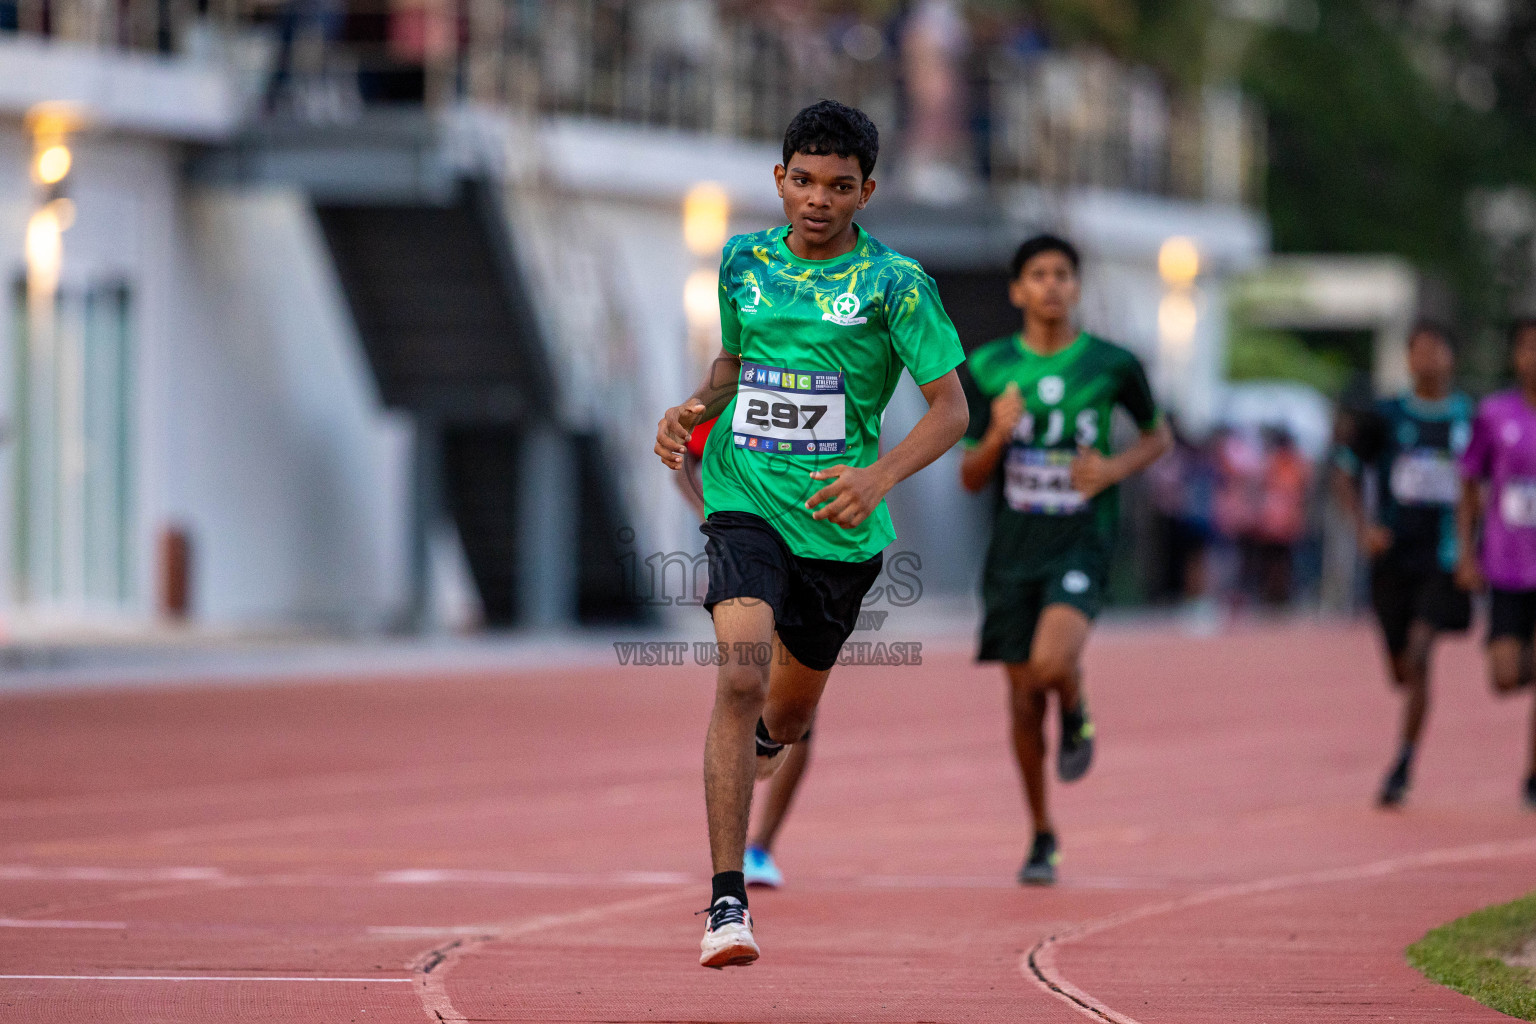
x: 757, y: 296
x: 1052, y: 389
x: 845, y: 311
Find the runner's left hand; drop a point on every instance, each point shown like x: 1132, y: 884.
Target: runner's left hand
x: 1091, y: 472
x: 854, y: 493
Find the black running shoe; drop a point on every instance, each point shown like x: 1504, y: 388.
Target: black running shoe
x: 1395, y: 787
x: 1076, y: 754
x: 1040, y: 868
x: 1530, y: 792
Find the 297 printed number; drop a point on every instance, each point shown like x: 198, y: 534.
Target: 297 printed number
x: 783, y: 415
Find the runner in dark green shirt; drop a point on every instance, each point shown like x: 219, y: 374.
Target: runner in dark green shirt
x: 1041, y: 402
x: 818, y: 321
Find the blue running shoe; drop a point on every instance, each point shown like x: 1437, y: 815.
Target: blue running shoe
x: 759, y: 869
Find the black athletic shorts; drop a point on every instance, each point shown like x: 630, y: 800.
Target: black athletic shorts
x: 815, y: 601
x: 1012, y: 605
x: 1512, y: 613
x: 1402, y: 596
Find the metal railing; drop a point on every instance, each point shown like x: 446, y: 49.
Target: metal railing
x: 735, y: 68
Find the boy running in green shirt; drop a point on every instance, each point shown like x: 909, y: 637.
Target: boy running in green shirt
x: 1041, y: 402
x: 818, y: 321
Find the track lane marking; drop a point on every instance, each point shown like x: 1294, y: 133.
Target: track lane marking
x: 1039, y: 964
x: 531, y: 879
x: 201, y: 977
x: 35, y: 873
x: 433, y: 966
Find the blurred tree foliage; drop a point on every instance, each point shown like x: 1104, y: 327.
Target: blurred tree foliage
x: 1257, y: 354
x: 1369, y: 153
x: 1387, y: 118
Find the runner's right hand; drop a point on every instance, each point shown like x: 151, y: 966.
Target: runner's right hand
x: 1469, y: 576
x: 1007, y: 410
x: 673, y: 430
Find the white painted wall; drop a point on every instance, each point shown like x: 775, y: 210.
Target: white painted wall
x: 255, y: 420
x: 277, y: 452
x: 125, y: 193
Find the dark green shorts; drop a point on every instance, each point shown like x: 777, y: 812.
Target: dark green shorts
x: 1012, y: 602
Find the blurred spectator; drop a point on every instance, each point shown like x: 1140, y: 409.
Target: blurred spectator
x: 1148, y: 130
x: 1282, y: 517
x: 676, y: 39
x: 1239, y: 490
x: 1183, y: 488
x: 305, y: 30
x: 933, y: 46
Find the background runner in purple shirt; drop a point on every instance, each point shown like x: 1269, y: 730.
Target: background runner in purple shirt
x: 1502, y: 456
x: 1502, y: 452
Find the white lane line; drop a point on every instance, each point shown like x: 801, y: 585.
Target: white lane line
x: 428, y: 931
x: 968, y: 882
x: 531, y: 879
x: 22, y: 922
x: 1039, y: 964
x: 198, y: 977
x: 405, y: 876
x: 435, y: 964
x: 432, y: 876
x: 36, y: 873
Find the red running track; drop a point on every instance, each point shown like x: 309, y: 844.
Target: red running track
x: 530, y: 847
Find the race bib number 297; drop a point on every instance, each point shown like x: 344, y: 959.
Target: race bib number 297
x: 789, y: 411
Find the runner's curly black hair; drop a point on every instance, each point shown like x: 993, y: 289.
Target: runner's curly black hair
x: 830, y: 128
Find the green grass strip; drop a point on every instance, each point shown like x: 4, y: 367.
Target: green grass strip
x: 1465, y: 955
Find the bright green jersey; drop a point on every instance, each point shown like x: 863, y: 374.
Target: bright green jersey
x: 822, y: 345
x: 1068, y: 397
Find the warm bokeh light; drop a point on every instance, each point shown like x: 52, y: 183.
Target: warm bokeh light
x: 1177, y: 316
x: 706, y: 214
x: 699, y: 300
x: 54, y: 120
x: 1179, y: 261
x: 45, y: 248
x: 53, y: 163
